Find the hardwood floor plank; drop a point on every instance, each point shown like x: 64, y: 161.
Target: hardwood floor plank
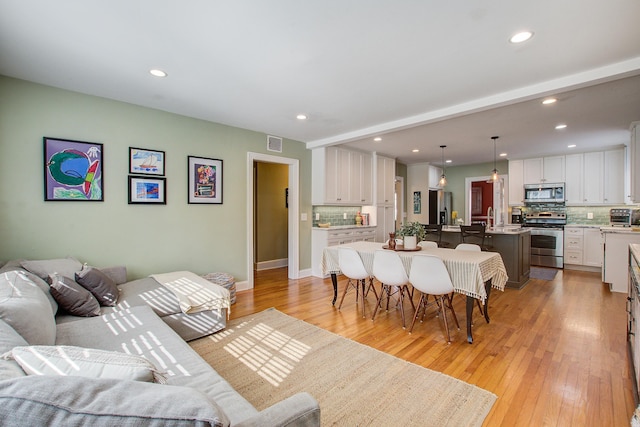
x: 554, y: 353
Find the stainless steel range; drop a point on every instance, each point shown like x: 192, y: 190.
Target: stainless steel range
x: 547, y: 238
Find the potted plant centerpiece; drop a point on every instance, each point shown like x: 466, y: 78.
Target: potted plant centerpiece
x: 411, y: 233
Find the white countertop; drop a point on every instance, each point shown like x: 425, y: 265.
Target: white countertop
x: 620, y: 230
x: 344, y: 227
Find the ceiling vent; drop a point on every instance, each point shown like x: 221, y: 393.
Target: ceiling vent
x: 274, y: 144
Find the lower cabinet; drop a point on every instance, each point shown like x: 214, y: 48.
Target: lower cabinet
x: 583, y: 247
x: 324, y: 237
x: 633, y: 313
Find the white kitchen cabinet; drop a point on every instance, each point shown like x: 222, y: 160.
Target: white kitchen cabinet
x: 634, y: 162
x: 574, y: 182
x: 595, y: 178
x: 385, y: 179
x: 341, y: 177
x: 544, y: 170
x: 360, y: 178
x: 324, y: 237
x: 592, y: 253
x: 385, y: 222
x: 616, y: 257
x: 613, y: 169
x: 573, y: 245
x: 434, y: 176
x: 516, y: 182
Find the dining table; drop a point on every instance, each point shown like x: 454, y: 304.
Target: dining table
x: 472, y: 273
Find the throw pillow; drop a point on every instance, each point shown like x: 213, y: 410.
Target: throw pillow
x: 43, y: 268
x: 26, y: 308
x: 99, y: 284
x: 72, y: 297
x: 100, y: 402
x: 84, y: 362
x: 116, y: 273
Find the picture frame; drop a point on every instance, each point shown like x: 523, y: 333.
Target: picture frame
x: 73, y: 170
x: 205, y: 180
x: 146, y: 162
x: 417, y: 202
x: 144, y: 190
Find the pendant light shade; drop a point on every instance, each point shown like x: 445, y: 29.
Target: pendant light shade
x: 443, y: 177
x: 494, y: 172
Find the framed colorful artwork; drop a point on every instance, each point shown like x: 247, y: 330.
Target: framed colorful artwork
x: 73, y: 170
x: 147, y: 190
x: 146, y: 162
x: 205, y: 180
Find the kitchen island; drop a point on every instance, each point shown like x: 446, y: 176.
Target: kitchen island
x: 511, y: 242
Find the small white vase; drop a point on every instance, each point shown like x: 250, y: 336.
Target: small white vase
x: 410, y: 242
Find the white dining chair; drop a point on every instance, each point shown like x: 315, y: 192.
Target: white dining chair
x: 352, y: 267
x: 430, y: 276
x: 389, y: 270
x: 468, y: 247
x: 428, y: 244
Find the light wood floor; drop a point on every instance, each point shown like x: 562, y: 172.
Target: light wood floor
x: 554, y: 353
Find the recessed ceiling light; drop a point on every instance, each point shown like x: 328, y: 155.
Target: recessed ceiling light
x: 503, y: 154
x: 571, y: 146
x: 448, y: 161
x: 158, y: 73
x: 549, y: 101
x: 415, y: 150
x: 561, y: 126
x: 377, y: 139
x: 301, y: 117
x: 521, y: 37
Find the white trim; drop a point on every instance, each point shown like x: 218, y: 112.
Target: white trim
x: 294, y: 208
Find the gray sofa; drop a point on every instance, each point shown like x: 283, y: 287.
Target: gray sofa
x: 192, y: 393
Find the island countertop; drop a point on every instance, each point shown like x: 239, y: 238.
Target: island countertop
x: 507, y: 229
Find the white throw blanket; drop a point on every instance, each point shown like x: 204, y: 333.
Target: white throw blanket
x: 195, y: 293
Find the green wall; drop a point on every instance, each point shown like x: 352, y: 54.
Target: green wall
x: 146, y: 238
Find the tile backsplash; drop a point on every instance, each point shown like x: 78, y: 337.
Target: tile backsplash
x: 335, y: 215
x: 579, y: 214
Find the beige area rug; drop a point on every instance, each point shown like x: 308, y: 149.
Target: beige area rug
x: 269, y: 356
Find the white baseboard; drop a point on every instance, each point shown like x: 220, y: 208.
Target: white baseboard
x: 274, y: 263
x: 304, y: 273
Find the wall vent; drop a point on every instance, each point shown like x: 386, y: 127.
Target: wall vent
x: 274, y: 144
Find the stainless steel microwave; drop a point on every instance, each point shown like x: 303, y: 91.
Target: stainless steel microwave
x: 544, y: 193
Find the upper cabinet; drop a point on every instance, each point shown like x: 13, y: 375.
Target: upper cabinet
x: 590, y: 178
x: 385, y: 179
x: 341, y: 177
x: 544, y: 170
x: 595, y: 178
x: 516, y: 182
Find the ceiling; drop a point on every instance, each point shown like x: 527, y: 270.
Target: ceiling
x: 417, y: 73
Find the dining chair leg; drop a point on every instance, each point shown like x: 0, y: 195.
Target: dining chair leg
x: 442, y: 308
x: 364, y: 284
x: 421, y: 303
x: 346, y: 289
x: 453, y: 312
x: 382, y: 290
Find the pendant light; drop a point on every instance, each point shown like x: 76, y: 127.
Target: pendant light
x: 494, y: 172
x: 443, y: 178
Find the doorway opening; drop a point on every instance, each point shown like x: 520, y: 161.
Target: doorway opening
x: 486, y: 200
x: 292, y: 209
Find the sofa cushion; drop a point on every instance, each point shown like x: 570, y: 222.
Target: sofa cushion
x: 84, y: 362
x: 99, y: 284
x: 101, y: 402
x: 16, y: 265
x: 43, y: 268
x: 138, y: 330
x: 72, y: 297
x: 25, y: 307
x: 9, y: 339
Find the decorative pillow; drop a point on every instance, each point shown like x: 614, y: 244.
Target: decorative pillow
x: 26, y: 308
x: 72, y: 297
x: 99, y: 284
x: 101, y: 402
x: 84, y: 362
x: 116, y: 273
x: 43, y: 268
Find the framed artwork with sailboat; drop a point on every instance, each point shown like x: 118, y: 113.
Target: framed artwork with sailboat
x: 146, y: 162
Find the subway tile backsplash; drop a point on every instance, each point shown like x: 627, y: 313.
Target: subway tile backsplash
x: 335, y: 215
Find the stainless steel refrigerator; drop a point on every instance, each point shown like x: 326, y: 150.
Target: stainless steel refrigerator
x: 439, y: 207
